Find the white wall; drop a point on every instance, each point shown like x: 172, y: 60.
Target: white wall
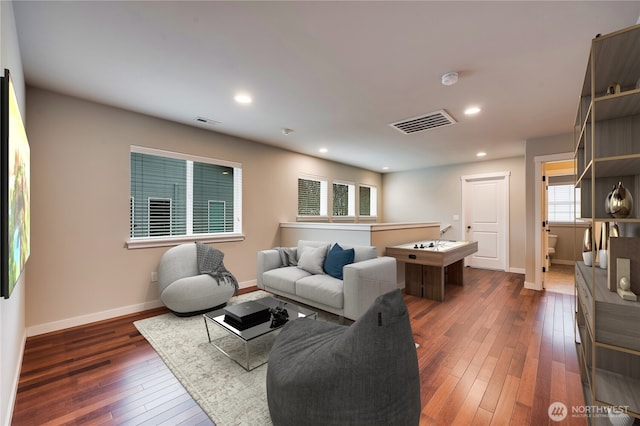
x: 558, y: 144
x: 435, y: 194
x: 12, y: 310
x: 79, y: 269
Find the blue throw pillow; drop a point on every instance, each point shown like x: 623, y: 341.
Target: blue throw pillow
x: 336, y: 259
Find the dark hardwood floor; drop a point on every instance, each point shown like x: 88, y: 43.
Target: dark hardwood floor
x: 492, y: 353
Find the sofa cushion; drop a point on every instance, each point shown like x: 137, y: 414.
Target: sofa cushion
x: 322, y: 289
x: 283, y: 279
x: 312, y: 258
x: 336, y: 259
x: 309, y: 243
x: 362, y: 252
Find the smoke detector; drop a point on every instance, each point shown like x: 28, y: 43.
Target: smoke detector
x: 450, y: 78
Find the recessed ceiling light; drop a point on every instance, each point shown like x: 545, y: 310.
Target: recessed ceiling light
x: 472, y: 110
x: 385, y: 168
x: 323, y: 150
x: 243, y: 99
x: 481, y: 154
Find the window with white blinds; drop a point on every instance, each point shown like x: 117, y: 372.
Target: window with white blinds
x: 175, y: 194
x: 344, y: 199
x: 368, y: 202
x: 560, y: 203
x: 312, y: 197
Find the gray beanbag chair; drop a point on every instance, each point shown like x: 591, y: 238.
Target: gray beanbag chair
x: 322, y: 373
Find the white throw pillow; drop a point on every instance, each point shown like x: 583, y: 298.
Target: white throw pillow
x: 312, y: 259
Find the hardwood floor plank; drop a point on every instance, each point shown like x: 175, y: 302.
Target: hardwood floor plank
x: 506, y: 403
x: 492, y: 352
x: 527, y: 386
x: 491, y: 396
x: 469, y: 407
x: 437, y: 402
x: 482, y: 418
x: 521, y: 415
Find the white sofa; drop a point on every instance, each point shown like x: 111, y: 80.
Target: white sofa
x: 368, y: 277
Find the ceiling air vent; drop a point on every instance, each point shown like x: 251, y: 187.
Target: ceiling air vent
x: 424, y: 122
x: 203, y: 120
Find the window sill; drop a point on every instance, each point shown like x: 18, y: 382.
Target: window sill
x: 312, y: 219
x: 343, y: 219
x: 174, y: 241
x: 577, y: 224
x: 367, y: 218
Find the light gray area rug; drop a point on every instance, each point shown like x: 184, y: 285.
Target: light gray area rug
x: 226, y: 392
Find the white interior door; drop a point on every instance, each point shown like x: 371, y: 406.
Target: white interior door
x: 485, y: 204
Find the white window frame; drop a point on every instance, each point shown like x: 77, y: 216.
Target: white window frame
x: 235, y: 235
x: 324, y: 195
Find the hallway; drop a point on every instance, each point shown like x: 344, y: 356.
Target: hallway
x: 560, y: 279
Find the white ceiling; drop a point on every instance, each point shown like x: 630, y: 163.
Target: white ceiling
x: 337, y: 73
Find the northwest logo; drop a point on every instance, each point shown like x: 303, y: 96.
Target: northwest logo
x: 557, y: 411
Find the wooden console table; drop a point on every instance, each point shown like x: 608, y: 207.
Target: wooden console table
x: 426, y: 263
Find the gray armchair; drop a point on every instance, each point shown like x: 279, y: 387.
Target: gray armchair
x: 321, y: 373
x: 183, y: 289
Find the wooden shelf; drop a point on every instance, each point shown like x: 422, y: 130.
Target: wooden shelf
x: 614, y: 319
x: 617, y: 389
x: 613, y: 61
x: 607, y: 151
x: 619, y: 105
x: 623, y: 165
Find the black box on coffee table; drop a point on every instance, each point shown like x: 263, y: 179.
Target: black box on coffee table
x: 246, y: 315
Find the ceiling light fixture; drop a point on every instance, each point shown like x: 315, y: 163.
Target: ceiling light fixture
x: 323, y: 150
x: 286, y: 131
x: 450, y: 78
x: 481, y: 154
x: 472, y: 110
x: 243, y: 99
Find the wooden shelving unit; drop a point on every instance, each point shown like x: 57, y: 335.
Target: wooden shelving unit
x: 607, y: 151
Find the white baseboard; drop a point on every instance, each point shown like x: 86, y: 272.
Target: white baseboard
x: 104, y: 315
x: 89, y: 318
x: 16, y: 380
x: 517, y: 270
x: 246, y: 284
x: 531, y: 286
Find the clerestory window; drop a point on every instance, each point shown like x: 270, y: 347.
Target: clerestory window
x: 368, y: 203
x: 312, y: 197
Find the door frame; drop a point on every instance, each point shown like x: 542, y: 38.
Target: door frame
x: 538, y: 162
x: 505, y: 177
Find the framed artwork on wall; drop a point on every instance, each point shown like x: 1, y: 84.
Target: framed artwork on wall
x: 15, y: 157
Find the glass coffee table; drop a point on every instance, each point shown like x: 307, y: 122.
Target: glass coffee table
x: 252, y: 334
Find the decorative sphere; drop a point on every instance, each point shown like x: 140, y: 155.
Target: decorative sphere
x: 625, y: 284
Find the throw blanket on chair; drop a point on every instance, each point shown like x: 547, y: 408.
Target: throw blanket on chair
x: 287, y: 256
x: 210, y: 262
